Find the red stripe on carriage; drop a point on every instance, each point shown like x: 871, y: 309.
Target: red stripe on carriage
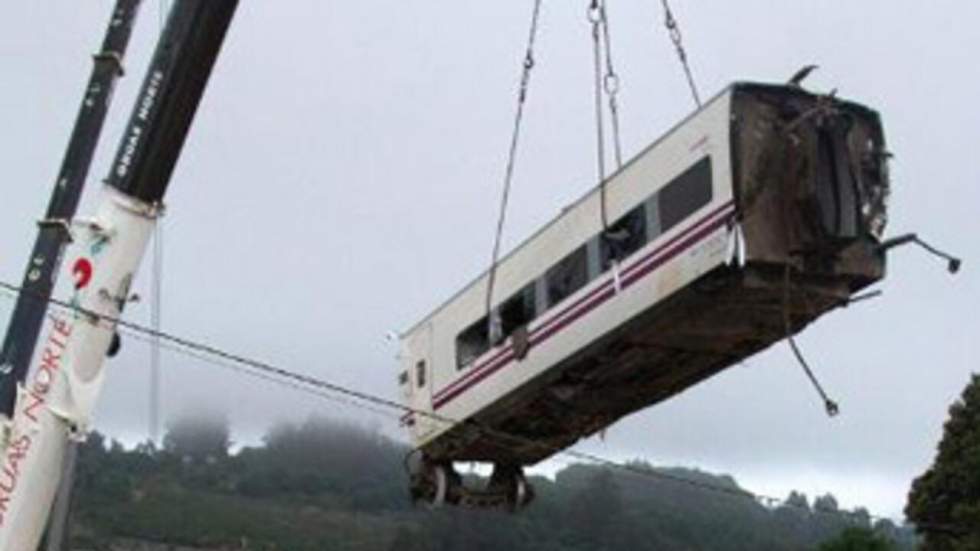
x: 597, y: 296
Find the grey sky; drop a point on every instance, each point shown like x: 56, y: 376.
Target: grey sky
x: 341, y: 180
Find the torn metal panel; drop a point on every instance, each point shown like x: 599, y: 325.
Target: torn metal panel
x: 811, y: 180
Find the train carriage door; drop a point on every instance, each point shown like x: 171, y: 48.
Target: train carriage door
x: 420, y: 380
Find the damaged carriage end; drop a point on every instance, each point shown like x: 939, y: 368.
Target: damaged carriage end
x: 953, y: 264
x: 811, y: 182
x: 811, y: 185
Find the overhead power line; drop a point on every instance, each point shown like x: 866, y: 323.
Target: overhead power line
x: 367, y: 401
x: 260, y: 375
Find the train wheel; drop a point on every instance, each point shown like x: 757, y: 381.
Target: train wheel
x: 440, y: 479
x: 429, y: 482
x: 520, y: 493
x: 524, y: 493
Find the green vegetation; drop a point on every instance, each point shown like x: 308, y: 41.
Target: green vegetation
x: 945, y: 501
x: 858, y: 539
x: 327, y: 486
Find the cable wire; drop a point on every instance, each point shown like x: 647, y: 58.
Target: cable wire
x: 321, y: 387
x: 606, y: 82
x: 156, y: 309
x: 674, y: 31
x: 830, y: 406
x: 610, y: 84
x: 526, y: 67
x: 595, y: 15
x: 156, y: 301
x: 260, y: 375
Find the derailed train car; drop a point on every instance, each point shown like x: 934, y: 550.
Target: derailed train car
x: 751, y: 218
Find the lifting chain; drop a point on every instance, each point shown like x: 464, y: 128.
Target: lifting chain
x: 526, y: 67
x: 606, y: 82
x: 674, y: 30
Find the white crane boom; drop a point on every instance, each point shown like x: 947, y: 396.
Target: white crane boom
x: 59, y: 398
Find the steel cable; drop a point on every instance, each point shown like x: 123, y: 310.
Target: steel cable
x: 526, y: 68
x: 674, y: 31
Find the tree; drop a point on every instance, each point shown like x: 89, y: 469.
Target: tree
x: 825, y: 504
x: 201, y: 437
x: 944, y: 502
x: 407, y: 539
x: 327, y: 456
x: 858, y: 539
x: 324, y: 485
x: 794, y: 515
x: 594, y: 511
x: 798, y: 500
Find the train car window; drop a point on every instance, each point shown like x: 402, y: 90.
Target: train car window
x: 685, y: 194
x: 541, y: 295
x: 403, y: 378
x: 517, y: 311
x: 420, y: 373
x: 569, y: 275
x: 594, y: 256
x: 624, y: 237
x: 472, y: 343
x: 653, y: 217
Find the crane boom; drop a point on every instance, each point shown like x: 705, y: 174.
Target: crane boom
x: 43, y: 265
x: 59, y: 398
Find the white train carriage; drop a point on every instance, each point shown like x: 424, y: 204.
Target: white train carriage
x: 752, y: 217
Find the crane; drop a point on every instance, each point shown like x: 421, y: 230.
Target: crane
x: 53, y: 235
x: 55, y: 404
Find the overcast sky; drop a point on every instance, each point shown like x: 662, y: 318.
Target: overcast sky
x: 342, y: 175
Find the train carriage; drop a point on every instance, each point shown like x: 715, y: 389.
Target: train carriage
x: 748, y: 220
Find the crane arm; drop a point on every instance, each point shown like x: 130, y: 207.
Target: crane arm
x: 42, y: 267
x: 60, y: 396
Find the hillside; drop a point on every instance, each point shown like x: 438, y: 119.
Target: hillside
x: 327, y: 486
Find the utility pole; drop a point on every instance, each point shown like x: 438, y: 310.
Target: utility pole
x: 56, y: 405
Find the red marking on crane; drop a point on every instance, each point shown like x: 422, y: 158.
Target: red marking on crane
x: 36, y: 398
x: 82, y: 270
